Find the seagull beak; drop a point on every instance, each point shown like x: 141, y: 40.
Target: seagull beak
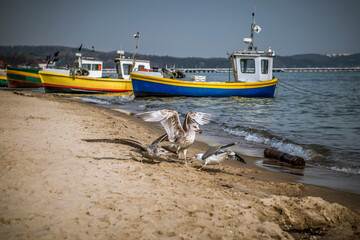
x: 200, y: 131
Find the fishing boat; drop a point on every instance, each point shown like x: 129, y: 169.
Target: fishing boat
x: 3, y: 79
x: 26, y: 77
x: 252, y: 71
x: 87, y: 75
x: 23, y: 77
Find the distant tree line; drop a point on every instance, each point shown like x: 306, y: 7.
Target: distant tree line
x: 31, y: 55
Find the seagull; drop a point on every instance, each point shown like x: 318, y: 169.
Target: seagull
x: 182, y: 136
x: 150, y: 152
x: 218, y: 154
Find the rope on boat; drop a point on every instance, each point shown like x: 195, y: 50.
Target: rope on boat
x: 301, y: 90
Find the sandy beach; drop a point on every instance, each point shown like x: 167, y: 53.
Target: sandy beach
x: 54, y: 185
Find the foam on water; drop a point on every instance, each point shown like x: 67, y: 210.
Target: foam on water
x: 95, y: 100
x: 281, y: 145
x: 346, y: 170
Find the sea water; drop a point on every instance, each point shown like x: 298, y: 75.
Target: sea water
x: 315, y: 115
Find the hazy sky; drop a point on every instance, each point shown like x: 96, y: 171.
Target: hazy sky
x: 184, y: 28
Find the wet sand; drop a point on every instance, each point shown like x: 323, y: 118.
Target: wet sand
x: 54, y: 185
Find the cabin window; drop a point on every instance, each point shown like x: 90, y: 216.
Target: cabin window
x: 141, y: 67
x: 247, y: 65
x: 86, y: 66
x: 264, y: 66
x: 96, y: 67
x: 127, y: 69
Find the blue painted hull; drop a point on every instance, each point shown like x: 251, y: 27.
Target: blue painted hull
x: 160, y: 87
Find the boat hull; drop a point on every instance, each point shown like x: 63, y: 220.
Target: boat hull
x: 3, y: 81
x: 65, y: 83
x: 23, y: 77
x: 146, y: 86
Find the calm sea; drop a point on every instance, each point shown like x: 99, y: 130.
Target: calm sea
x: 315, y: 116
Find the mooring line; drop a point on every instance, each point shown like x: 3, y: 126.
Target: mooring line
x: 302, y: 90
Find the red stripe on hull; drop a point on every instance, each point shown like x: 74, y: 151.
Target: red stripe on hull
x: 83, y: 88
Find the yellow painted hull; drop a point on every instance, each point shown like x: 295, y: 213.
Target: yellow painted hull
x: 57, y: 82
x: 3, y: 81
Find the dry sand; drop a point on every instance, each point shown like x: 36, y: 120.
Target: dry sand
x: 53, y: 185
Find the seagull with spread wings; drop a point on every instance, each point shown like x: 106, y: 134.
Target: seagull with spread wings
x: 217, y: 155
x: 150, y: 152
x: 182, y: 136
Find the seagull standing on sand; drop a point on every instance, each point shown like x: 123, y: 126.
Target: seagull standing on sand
x: 150, y: 152
x: 218, y: 154
x: 181, y: 136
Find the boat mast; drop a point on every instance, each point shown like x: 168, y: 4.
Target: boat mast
x: 251, y: 45
x: 137, y: 36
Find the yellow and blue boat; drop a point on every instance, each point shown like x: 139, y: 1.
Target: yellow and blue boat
x: 145, y: 85
x: 252, y: 71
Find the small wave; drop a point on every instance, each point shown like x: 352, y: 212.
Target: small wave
x: 265, y: 138
x: 108, y: 99
x: 124, y: 98
x: 94, y: 100
x: 346, y: 170
x: 142, y: 106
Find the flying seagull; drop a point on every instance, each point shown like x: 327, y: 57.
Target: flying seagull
x: 150, y: 152
x: 217, y: 155
x: 182, y: 136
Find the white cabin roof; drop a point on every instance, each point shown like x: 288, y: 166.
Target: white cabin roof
x: 91, y: 61
x: 254, y: 53
x: 130, y: 60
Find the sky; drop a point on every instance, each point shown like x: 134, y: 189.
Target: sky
x: 184, y: 28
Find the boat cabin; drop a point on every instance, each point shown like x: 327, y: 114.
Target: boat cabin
x: 252, y: 66
x: 91, y: 64
x: 124, y: 66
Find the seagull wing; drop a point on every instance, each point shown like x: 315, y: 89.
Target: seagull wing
x: 171, y: 148
x: 159, y: 139
x: 216, y: 149
x: 200, y: 117
x: 228, y: 145
x: 237, y: 157
x: 194, y: 117
x: 155, y: 116
x: 129, y: 142
x: 133, y: 143
x: 169, y: 119
x: 211, y: 151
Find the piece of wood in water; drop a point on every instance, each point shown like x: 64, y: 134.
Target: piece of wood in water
x: 284, y: 157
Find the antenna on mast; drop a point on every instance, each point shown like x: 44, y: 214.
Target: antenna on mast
x: 254, y: 28
x: 251, y: 45
x: 137, y: 36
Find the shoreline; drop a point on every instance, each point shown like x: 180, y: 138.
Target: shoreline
x: 203, y: 142
x: 56, y: 185
x: 311, y: 175
x: 332, y: 195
